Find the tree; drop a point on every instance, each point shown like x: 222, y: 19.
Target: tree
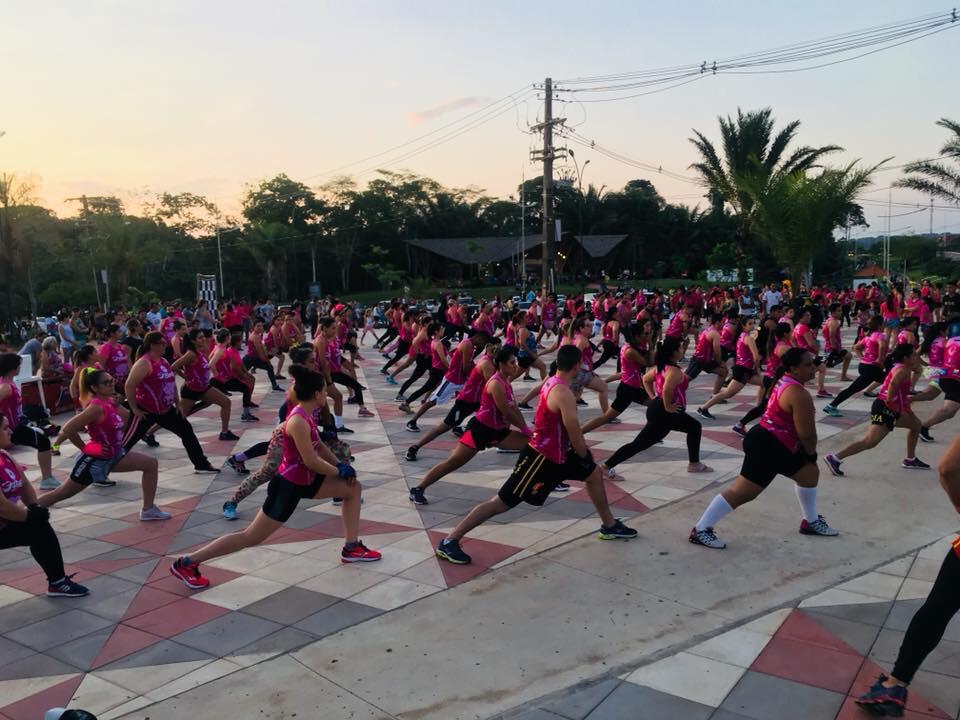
x: 938, y: 179
x: 187, y: 213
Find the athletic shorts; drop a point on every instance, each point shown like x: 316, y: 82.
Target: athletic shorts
x: 581, y: 379
x: 835, y: 357
x: 880, y: 414
x: 742, y: 374
x: 190, y: 394
x: 765, y: 457
x: 459, y: 412
x: 30, y: 436
x: 480, y: 437
x: 951, y: 389
x: 626, y: 395
x: 534, y: 477
x: 698, y: 366
x: 445, y: 392
x: 88, y: 469
x: 525, y: 361
x: 892, y: 323
x: 727, y: 354
x: 283, y: 496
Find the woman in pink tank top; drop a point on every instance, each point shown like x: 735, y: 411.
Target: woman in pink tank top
x: 115, y: 356
x: 781, y: 343
x: 579, y: 334
x: 634, y: 359
x: 872, y: 350
x: 229, y: 373
x: 611, y: 339
x: 746, y: 367
x: 783, y: 443
x: 11, y: 406
x: 891, y: 410
x: 194, y: 368
x: 308, y: 470
x: 107, y: 424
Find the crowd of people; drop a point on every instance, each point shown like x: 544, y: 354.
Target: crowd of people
x: 133, y: 374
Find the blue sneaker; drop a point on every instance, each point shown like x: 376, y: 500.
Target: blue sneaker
x: 230, y: 511
x: 739, y: 430
x: 390, y: 380
x: 832, y: 411
x: 66, y: 587
x: 880, y: 700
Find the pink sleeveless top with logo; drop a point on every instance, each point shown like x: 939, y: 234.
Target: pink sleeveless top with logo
x: 773, y: 361
x: 196, y: 375
x: 935, y: 358
x: 608, y: 333
x: 777, y: 421
x: 704, y: 349
x: 221, y: 369
x: 800, y: 337
x: 675, y: 329
x: 109, y: 431
x: 899, y: 401
x: 951, y: 359
x: 470, y: 392
x: 114, y: 356
x: 456, y: 373
x: 831, y: 340
x: 871, y: 348
x: 10, y: 481
x: 727, y: 335
x: 333, y: 354
x: 679, y: 392
x: 488, y: 414
x: 903, y: 337
x: 630, y: 371
x: 549, y: 435
x: 586, y: 357
x: 435, y: 360
x: 12, y: 407
x: 292, y: 467
x: 744, y: 354
x: 510, y: 335
x: 155, y: 393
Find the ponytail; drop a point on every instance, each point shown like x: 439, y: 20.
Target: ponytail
x: 665, y: 350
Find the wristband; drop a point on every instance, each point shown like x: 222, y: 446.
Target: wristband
x: 345, y: 470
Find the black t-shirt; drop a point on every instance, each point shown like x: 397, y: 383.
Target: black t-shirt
x: 134, y: 345
x: 951, y: 307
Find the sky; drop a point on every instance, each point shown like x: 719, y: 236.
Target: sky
x: 131, y: 98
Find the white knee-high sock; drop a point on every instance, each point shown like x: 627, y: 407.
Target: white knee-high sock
x: 715, y: 512
x: 808, y: 502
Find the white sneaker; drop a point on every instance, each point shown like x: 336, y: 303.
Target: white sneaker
x: 153, y: 513
x: 49, y: 483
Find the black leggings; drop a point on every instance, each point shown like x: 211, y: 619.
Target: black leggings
x: 257, y: 450
x: 341, y: 378
x: 659, y: 424
x: 249, y: 361
x: 176, y: 423
x: 757, y: 411
x: 403, y: 347
x: 236, y: 386
x: 931, y: 620
x: 43, y: 544
x: 610, y: 350
x: 868, y: 373
x: 433, y: 381
x: 421, y: 367
x: 385, y: 339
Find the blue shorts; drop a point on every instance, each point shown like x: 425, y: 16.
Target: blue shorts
x: 89, y: 469
x: 892, y: 323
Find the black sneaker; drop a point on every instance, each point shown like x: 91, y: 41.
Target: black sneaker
x: 925, y: 435
x: 617, y: 531
x: 884, y: 701
x: 525, y: 406
x: 412, y: 427
x: 417, y: 497
x: 705, y: 414
x: 151, y: 441
x: 352, y: 400
x: 228, y: 436
x: 206, y: 468
x: 249, y: 417
x: 280, y: 377
x: 582, y: 402
x: 66, y: 588
x: 344, y: 430
x: 411, y: 454
x: 238, y: 466
x: 451, y: 551
x: 562, y: 487
x: 104, y: 482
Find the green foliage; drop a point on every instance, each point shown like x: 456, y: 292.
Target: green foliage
x: 932, y: 177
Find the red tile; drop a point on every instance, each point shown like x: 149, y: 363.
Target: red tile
x: 36, y: 583
x: 149, y: 598
x: 622, y: 427
x: 122, y: 642
x: 484, y: 554
x: 628, y: 502
x: 801, y: 627
x: 918, y: 707
x: 808, y: 664
x: 851, y: 711
x: 142, y: 532
x: 157, y: 545
x: 33, y: 707
x: 104, y: 567
x: 725, y: 437
x: 334, y: 528
x: 176, y: 617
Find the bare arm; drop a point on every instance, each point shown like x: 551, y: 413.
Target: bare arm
x: 801, y: 406
x: 647, y: 380
x: 567, y: 407
x: 71, y: 430
x: 14, y: 512
x: 188, y: 358
x: 671, y: 380
x: 505, y: 408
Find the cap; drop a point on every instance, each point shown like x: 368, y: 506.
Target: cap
x: 64, y: 714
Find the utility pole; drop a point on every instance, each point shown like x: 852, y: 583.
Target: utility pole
x: 547, y: 155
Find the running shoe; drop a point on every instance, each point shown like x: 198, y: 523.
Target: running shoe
x: 227, y: 435
x: 352, y: 400
x: 49, y: 483
x: 617, y: 531
x: 507, y: 451
x: 66, y: 588
x: 561, y: 487
x: 915, y: 463
x: 359, y: 553
x: 817, y: 527
x: 613, y: 475
x: 706, y: 414
x: 871, y: 394
x: 708, y: 538
x: 153, y: 513
x: 277, y: 388
x: 55, y: 449
x: 383, y: 371
x: 412, y: 426
x: 390, y: 380
x: 832, y: 411
x: 344, y: 430
x: 884, y: 701
x: 527, y: 378
x: 238, y: 466
x: 364, y: 412
x: 206, y: 468
x: 405, y: 408
x: 417, y: 497
x: 336, y: 502
x: 925, y: 434
x: 189, y: 574
x: 150, y: 440
x: 824, y: 394
x: 739, y: 430
x: 230, y: 511
x: 833, y: 462
x: 278, y: 376
x: 253, y: 404
x: 582, y: 402
x: 400, y: 398
x: 104, y: 482
x: 525, y: 406
x: 411, y: 454
x: 614, y: 421
x: 450, y: 550
x: 249, y: 417
x: 457, y: 431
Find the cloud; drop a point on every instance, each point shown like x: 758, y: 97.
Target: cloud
x: 456, y: 103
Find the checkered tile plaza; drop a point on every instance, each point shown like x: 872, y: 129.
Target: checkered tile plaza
x: 142, y: 638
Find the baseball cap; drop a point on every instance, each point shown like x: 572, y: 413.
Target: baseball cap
x: 64, y: 714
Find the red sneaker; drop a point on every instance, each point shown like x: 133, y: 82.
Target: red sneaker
x: 359, y: 553
x: 189, y: 574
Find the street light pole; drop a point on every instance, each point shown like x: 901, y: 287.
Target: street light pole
x: 220, y: 256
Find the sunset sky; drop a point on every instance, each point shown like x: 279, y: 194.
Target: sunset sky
x: 111, y: 97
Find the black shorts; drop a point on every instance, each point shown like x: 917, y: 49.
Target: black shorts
x: 626, y: 395
x: 534, y: 477
x: 742, y: 374
x: 480, y: 437
x: 880, y: 414
x: 835, y: 357
x: 951, y: 389
x: 727, y: 354
x: 189, y: 394
x: 698, y: 366
x: 30, y: 436
x: 459, y: 412
x: 765, y: 457
x: 283, y: 497
x: 525, y: 361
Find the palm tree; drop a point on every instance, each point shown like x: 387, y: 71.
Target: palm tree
x: 936, y: 178
x: 753, y: 157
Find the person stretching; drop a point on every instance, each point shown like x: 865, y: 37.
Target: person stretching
x: 22, y: 432
x: 872, y: 349
x: 949, y: 382
x: 781, y: 338
x: 197, y: 392
x: 747, y: 360
x: 634, y: 359
x: 229, y: 374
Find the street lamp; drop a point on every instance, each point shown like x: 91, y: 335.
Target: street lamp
x: 220, y: 255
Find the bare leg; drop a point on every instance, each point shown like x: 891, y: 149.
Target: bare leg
x: 599, y: 421
x: 148, y: 466
x: 66, y: 490
x: 479, y: 515
x: 598, y: 496
x: 350, y: 490
x: 601, y: 388
x: 215, y: 397
x: 422, y: 410
x: 946, y: 411
x: 874, y: 435
x: 847, y: 358
x: 732, y: 389
x: 45, y: 459
x: 912, y: 423
x: 259, y: 529
x: 458, y: 457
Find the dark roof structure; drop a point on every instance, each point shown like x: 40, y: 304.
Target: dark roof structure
x: 599, y: 245
x: 471, y: 251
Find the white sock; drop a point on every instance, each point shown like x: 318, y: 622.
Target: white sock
x: 338, y: 421
x: 808, y: 502
x: 715, y: 512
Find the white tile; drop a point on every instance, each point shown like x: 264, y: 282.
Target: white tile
x: 769, y: 624
x: 144, y: 679
x: 126, y: 708
x: 249, y: 559
x: 239, y: 592
x: 343, y: 582
x: 914, y: 589
x: 875, y: 584
x: 14, y: 690
x: 427, y: 573
x: 10, y: 595
x: 899, y: 567
x: 216, y: 669
x: 394, y: 592
x: 96, y: 695
x: 297, y: 568
x: 690, y: 676
x: 739, y: 647
x: 836, y: 596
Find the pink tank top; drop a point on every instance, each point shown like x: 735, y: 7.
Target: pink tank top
x: 456, y: 373
x: 899, y: 401
x: 470, y: 393
x: 549, y: 435
x: 871, y: 348
x: 10, y: 481
x: 608, y: 333
x: 114, y: 356
x: 510, y: 335
x: 744, y: 354
x: 727, y: 335
x: 406, y: 333
x: 679, y: 392
x: 831, y: 340
x: 704, y: 348
x: 904, y: 337
x: 630, y: 371
x: 773, y: 361
x: 800, y: 337
x: 196, y: 375
x: 951, y: 358
x: 221, y: 369
x: 166, y: 328
x: 549, y: 312
x: 156, y: 392
x: 777, y: 421
x: 436, y: 362
x: 676, y: 325
x: 586, y: 357
x: 109, y: 431
x: 12, y: 407
x: 332, y: 353
x: 488, y: 414
x: 292, y: 467
x: 935, y: 358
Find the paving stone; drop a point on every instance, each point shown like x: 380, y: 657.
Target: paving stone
x: 337, y: 617
x: 59, y: 629
x: 36, y: 665
x: 27, y: 612
x: 291, y: 605
x: 763, y: 697
x: 137, y: 573
x: 859, y: 636
x: 164, y: 652
x: 580, y: 701
x: 227, y: 633
x: 83, y: 651
x: 284, y: 640
x: 198, y: 517
x: 627, y: 700
x: 11, y: 652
